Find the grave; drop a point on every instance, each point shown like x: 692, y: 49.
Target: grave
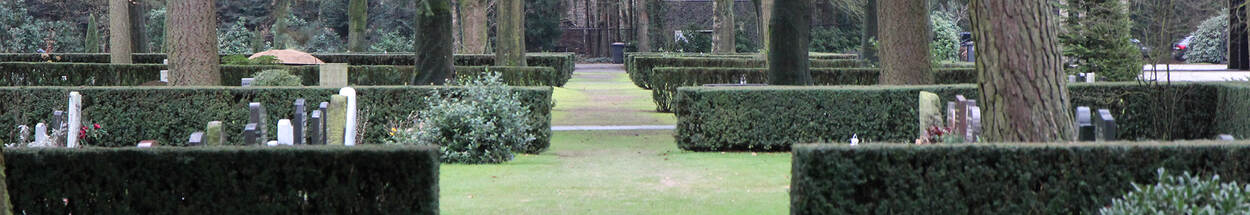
x: 349, y: 132
x: 1104, y: 126
x: 75, y: 119
x: 286, y: 133
x: 147, y: 144
x: 1084, y: 125
x: 257, y: 115
x: 316, y: 130
x: 336, y: 120
x: 246, y: 82
x: 1226, y: 137
x: 929, y: 111
x: 213, y: 134
x: 41, y: 134
x: 961, y: 116
x: 197, y: 139
x: 299, y: 121
x: 333, y: 75
x: 250, y: 135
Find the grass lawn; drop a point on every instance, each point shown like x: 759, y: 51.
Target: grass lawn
x: 596, y: 97
x: 620, y: 172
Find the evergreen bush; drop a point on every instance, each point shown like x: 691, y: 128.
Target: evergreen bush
x: 484, y: 123
x: 1184, y: 194
x: 945, y: 45
x: 1210, y: 42
x: 1098, y: 40
x: 276, y: 78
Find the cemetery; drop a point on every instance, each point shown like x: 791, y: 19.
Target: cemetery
x: 624, y: 107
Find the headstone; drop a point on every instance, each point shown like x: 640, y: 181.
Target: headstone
x: 336, y: 120
x: 930, y: 111
x: 961, y: 115
x: 213, y: 134
x: 75, y: 119
x: 271, y: 143
x: 299, y: 121
x: 41, y: 134
x: 325, y: 111
x: 950, y: 114
x: 257, y: 115
x: 333, y: 75
x: 316, y: 130
x: 1104, y: 126
x: 1071, y: 78
x: 1226, y: 137
x: 286, y: 133
x: 197, y: 139
x: 349, y: 133
x: 23, y: 133
x: 58, y: 119
x: 147, y: 144
x: 1090, y: 78
x: 1084, y: 125
x: 164, y: 75
x: 250, y: 135
x: 246, y: 82
x: 971, y: 121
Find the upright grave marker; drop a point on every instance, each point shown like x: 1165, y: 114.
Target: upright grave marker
x: 299, y: 121
x: 75, y: 119
x: 1084, y: 125
x: 286, y: 132
x: 316, y: 130
x: 930, y: 111
x: 250, y: 134
x: 333, y: 75
x: 336, y: 120
x: 349, y: 132
x: 257, y: 115
x: 1105, y: 128
x: 213, y: 134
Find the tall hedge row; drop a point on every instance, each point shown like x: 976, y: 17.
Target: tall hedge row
x: 171, y: 114
x: 640, y: 69
x: 102, y: 74
x: 666, y: 80
x: 773, y: 118
x: 994, y: 178
x: 224, y: 180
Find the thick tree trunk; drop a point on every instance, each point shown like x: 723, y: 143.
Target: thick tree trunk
x: 766, y: 17
x: 510, y: 34
x: 191, y: 31
x: 119, y: 32
x: 723, y: 26
x: 904, y: 42
x: 643, y: 26
x: 868, y: 51
x: 473, y: 21
x: 6, y: 206
x: 358, y: 20
x: 790, y: 37
x: 1023, y: 90
x: 433, y: 43
x: 281, y: 9
x: 138, y: 30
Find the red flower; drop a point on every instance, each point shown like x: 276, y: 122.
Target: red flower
x: 97, y: 126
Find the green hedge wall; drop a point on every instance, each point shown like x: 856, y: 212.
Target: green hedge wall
x: 640, y: 70
x: 171, y: 114
x: 666, y: 80
x: 224, y: 180
x: 773, y: 118
x: 994, y: 178
x: 102, y: 74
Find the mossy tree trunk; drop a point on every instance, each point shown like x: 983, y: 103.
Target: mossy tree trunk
x: 92, y: 42
x: 191, y: 31
x: 6, y: 207
x: 510, y: 34
x: 643, y: 26
x: 358, y: 20
x: 433, y: 42
x: 905, y: 37
x: 1023, y: 90
x: 868, y: 50
x: 723, y: 26
x: 766, y: 17
x: 476, y: 30
x: 281, y: 10
x: 790, y: 30
x: 119, y: 32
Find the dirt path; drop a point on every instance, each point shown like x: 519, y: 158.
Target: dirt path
x: 602, y: 95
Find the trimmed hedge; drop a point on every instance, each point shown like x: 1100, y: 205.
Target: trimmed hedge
x: 171, y: 114
x: 224, y: 180
x: 666, y: 80
x: 773, y: 118
x: 994, y: 178
x: 103, y: 74
x: 640, y: 70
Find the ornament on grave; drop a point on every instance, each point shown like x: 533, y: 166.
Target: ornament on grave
x: 1084, y: 124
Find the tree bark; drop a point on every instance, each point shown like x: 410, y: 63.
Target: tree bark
x: 433, y: 42
x: 905, y: 37
x: 191, y: 28
x: 119, y: 32
x: 790, y: 37
x: 358, y: 20
x: 1022, y: 85
x: 723, y: 26
x: 138, y: 30
x: 643, y: 26
x: 510, y: 34
x: 474, y: 22
x: 766, y: 17
x: 868, y: 51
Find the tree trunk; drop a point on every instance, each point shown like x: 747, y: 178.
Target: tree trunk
x: 766, y: 17
x: 6, y: 206
x: 138, y: 30
x: 723, y: 26
x: 904, y: 42
x: 790, y: 28
x: 191, y: 28
x: 281, y: 10
x: 119, y: 32
x: 358, y: 20
x: 473, y: 20
x: 433, y: 43
x: 868, y: 51
x: 1022, y: 85
x: 643, y: 26
x: 93, y: 36
x: 510, y: 34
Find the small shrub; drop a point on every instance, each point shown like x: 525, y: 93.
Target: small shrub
x: 945, y: 45
x: 244, y: 61
x: 483, y: 124
x: 1185, y: 194
x: 276, y: 78
x: 234, y: 39
x: 393, y: 42
x: 1210, y: 42
x: 834, y: 40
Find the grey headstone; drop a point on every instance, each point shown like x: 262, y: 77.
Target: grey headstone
x: 333, y: 75
x: 961, y: 115
x: 1104, y: 126
x: 58, y: 119
x: 974, y: 125
x: 197, y: 139
x: 950, y: 113
x: 246, y: 82
x: 1226, y: 137
x: 41, y: 133
x: 316, y: 130
x: 257, y: 115
x: 929, y: 110
x: 299, y: 121
x: 325, y: 110
x: 1071, y: 78
x: 1084, y: 124
x: 75, y: 119
x: 23, y: 135
x: 250, y: 134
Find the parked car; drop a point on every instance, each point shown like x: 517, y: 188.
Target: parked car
x: 1179, y: 49
x: 1145, y: 51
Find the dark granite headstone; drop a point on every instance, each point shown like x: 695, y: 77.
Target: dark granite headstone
x: 258, y: 116
x: 1084, y: 125
x: 197, y: 139
x: 1104, y: 126
x: 250, y: 135
x: 316, y: 130
x: 961, y: 116
x: 298, y: 122
x: 325, y: 108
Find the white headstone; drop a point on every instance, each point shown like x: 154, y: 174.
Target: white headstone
x: 41, y: 133
x: 75, y: 119
x: 164, y: 75
x: 271, y: 143
x: 1090, y: 77
x: 349, y: 137
x: 286, y: 132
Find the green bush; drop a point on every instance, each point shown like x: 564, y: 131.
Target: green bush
x: 393, y: 42
x: 1210, y: 42
x: 666, y: 80
x: 640, y: 69
x: 773, y: 118
x: 234, y: 39
x: 992, y: 178
x: 171, y: 114
x: 1098, y: 40
x: 484, y: 123
x: 224, y: 180
x: 1186, y: 194
x: 945, y: 45
x: 276, y: 78
x: 93, y: 74
x: 833, y: 39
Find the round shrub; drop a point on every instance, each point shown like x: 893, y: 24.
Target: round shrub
x: 945, y: 45
x: 1210, y: 42
x: 1186, y: 194
x: 276, y: 78
x: 484, y: 123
